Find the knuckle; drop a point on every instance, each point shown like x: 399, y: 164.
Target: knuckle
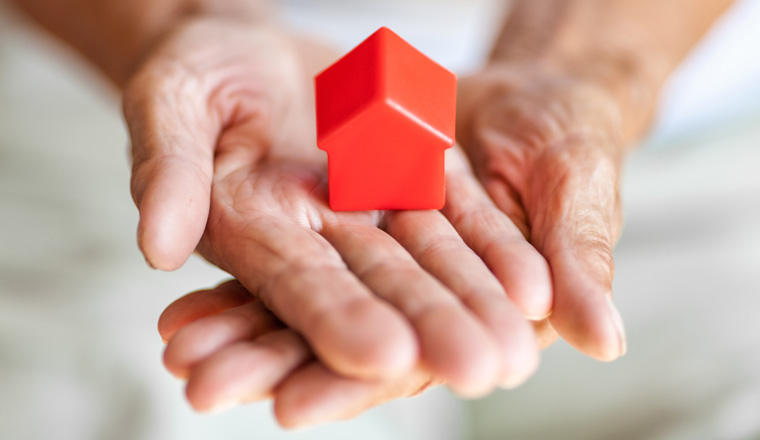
x: 599, y: 256
x: 390, y: 264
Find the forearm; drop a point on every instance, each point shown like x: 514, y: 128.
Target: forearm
x: 627, y: 46
x: 116, y: 34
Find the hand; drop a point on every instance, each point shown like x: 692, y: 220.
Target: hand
x: 232, y: 350
x: 548, y: 149
x: 224, y: 158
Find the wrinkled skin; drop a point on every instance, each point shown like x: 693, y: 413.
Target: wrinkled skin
x: 224, y: 158
x: 369, y: 306
x: 547, y: 148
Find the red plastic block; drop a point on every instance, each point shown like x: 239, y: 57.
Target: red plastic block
x: 385, y: 116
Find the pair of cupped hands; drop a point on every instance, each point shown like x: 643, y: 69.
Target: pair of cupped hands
x: 332, y: 313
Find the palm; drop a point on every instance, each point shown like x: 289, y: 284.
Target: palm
x: 270, y: 225
x: 285, y: 190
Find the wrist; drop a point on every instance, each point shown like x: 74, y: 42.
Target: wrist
x: 630, y: 84
x: 608, y: 51
x: 540, y: 106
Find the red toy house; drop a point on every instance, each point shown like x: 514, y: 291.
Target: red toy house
x: 385, y: 116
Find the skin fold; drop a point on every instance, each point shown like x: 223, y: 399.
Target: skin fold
x: 334, y: 313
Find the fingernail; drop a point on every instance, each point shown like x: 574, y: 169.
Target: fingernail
x: 221, y: 407
x: 539, y: 318
x: 470, y: 393
x: 512, y: 383
x: 147, y: 261
x: 617, y: 320
x: 139, y: 246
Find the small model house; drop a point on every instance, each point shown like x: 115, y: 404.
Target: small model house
x: 385, y: 116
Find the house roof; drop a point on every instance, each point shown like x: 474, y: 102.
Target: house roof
x: 385, y: 68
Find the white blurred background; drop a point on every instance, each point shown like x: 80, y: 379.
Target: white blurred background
x: 80, y: 356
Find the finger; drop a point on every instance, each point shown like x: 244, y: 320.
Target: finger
x: 304, y: 281
x: 315, y: 395
x: 197, y: 305
x: 198, y: 340
x: 545, y: 333
x: 522, y: 270
x: 576, y: 233
x: 436, y: 246
x: 173, y: 138
x: 454, y: 345
x: 245, y: 371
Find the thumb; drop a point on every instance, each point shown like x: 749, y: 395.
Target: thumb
x: 575, y: 229
x: 173, y: 137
